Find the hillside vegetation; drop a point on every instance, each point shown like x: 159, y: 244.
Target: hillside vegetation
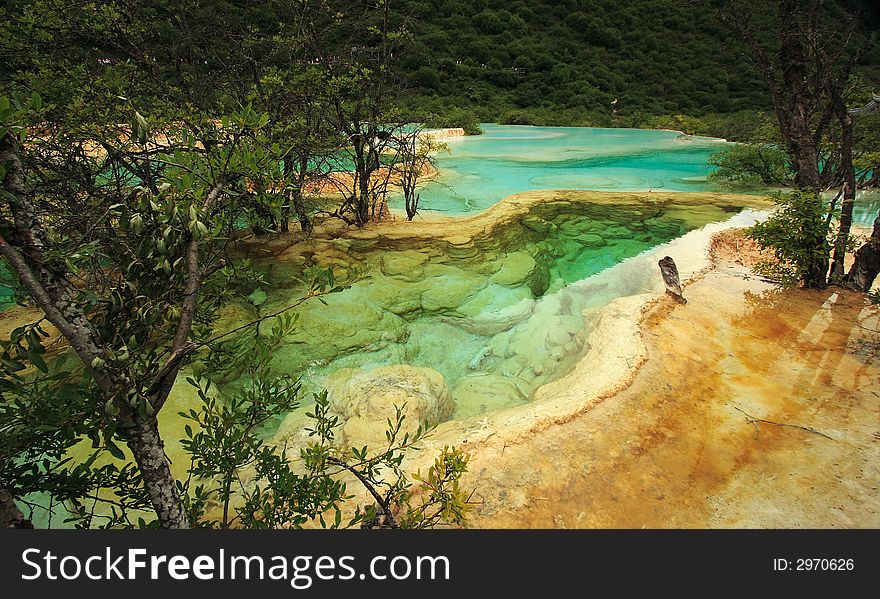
x: 574, y: 62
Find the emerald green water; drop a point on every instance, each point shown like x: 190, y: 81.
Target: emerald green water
x: 497, y: 316
x: 867, y: 206
x: 507, y: 159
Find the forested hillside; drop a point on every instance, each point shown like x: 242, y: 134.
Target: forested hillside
x: 566, y: 62
x: 570, y: 60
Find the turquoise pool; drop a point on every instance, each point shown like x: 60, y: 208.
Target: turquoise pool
x: 479, y: 171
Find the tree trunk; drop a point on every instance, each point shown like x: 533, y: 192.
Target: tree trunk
x: 361, y: 183
x: 671, y: 279
x: 849, y: 195
x: 10, y: 515
x: 864, y: 270
x: 149, y: 452
x: 807, y: 175
x: 302, y: 214
x: 295, y: 203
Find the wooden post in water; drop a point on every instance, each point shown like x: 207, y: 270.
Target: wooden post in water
x: 671, y: 278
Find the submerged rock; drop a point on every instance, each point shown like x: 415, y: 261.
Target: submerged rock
x: 592, y: 241
x: 496, y: 321
x: 401, y: 298
x: 406, y: 265
x: 449, y: 287
x: 365, y: 400
x: 517, y: 267
x: 492, y: 299
x: 345, y: 322
x: 480, y: 393
x: 538, y: 224
x: 539, y: 279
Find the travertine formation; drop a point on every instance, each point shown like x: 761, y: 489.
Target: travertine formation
x: 366, y: 400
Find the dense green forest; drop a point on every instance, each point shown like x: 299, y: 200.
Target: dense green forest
x: 578, y: 62
x: 558, y: 62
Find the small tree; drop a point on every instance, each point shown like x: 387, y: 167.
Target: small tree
x: 415, y: 160
x: 750, y: 165
x: 803, y: 49
x: 118, y: 265
x: 798, y: 234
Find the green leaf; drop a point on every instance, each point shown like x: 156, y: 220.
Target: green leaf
x: 114, y: 449
x: 38, y: 361
x: 257, y: 297
x: 141, y: 130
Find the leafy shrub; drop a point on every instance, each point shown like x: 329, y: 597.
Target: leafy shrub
x: 798, y: 235
x: 455, y: 117
x: 750, y: 165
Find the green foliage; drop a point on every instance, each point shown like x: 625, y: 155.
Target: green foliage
x: 267, y: 487
x: 257, y: 297
x: 47, y: 408
x: 798, y: 235
x: 744, y: 166
x: 679, y: 122
x: 440, y: 499
x: 226, y: 435
x: 455, y: 117
x: 561, y: 62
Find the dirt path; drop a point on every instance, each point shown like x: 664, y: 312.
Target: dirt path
x: 678, y: 447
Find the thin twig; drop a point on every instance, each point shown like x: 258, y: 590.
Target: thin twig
x: 383, y: 504
x: 754, y: 420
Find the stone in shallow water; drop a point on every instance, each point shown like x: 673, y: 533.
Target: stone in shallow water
x: 539, y: 279
x: 486, y: 267
x: 513, y: 367
x: 490, y: 323
x: 538, y: 224
x: 592, y: 241
x: 517, y: 267
x: 481, y: 393
x: 365, y: 400
x: 573, y: 226
x: 459, y: 240
x: 558, y: 336
x: 348, y: 322
x: 619, y: 232
x: 400, y: 296
x: 491, y: 299
x: 449, y: 287
x: 405, y: 265
x: 463, y: 252
x: 327, y: 256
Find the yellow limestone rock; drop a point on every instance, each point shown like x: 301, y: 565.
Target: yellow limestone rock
x: 517, y: 267
x: 366, y: 400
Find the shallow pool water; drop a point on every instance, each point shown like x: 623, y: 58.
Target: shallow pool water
x: 866, y: 208
x: 496, y: 315
x: 479, y: 171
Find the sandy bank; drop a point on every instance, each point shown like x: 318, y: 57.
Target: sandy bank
x: 754, y: 407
